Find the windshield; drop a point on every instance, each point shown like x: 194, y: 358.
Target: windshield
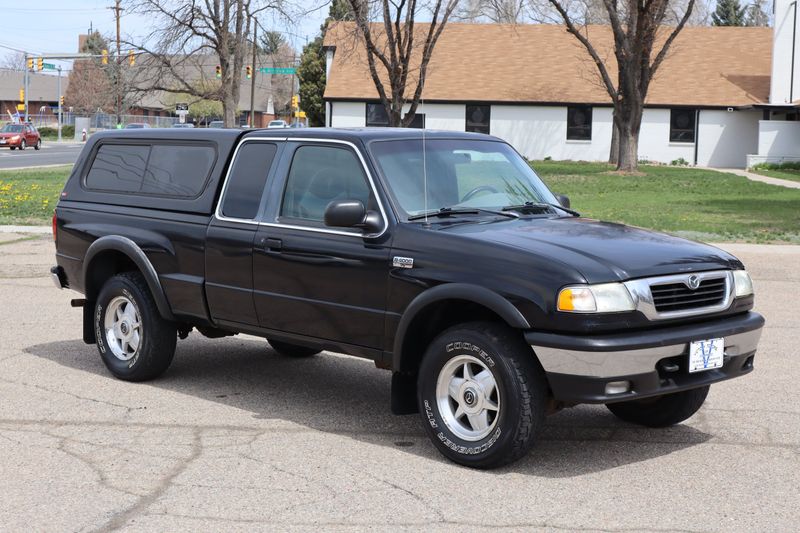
x: 12, y: 128
x: 460, y: 173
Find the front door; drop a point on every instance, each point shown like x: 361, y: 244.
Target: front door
x: 313, y: 280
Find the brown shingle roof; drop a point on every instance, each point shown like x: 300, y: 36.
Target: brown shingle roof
x: 707, y: 66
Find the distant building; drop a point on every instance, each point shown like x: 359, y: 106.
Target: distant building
x: 42, y: 94
x: 536, y: 87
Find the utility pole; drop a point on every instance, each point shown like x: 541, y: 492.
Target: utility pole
x: 25, y: 86
x: 253, y: 76
x: 59, y: 103
x: 118, y: 77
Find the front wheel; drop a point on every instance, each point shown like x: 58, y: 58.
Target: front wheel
x: 135, y: 343
x: 38, y: 145
x: 481, y: 394
x: 661, y: 411
x: 22, y: 144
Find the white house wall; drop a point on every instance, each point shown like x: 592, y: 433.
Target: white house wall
x: 537, y: 132
x: 725, y: 138
x: 348, y: 114
x: 541, y: 131
x: 778, y: 138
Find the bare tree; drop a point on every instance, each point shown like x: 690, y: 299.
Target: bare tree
x: 641, y: 44
x: 90, y: 86
x: 186, y: 36
x: 397, y: 63
x: 14, y: 61
x: 498, y: 11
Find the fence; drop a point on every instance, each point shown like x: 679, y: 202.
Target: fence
x: 100, y: 121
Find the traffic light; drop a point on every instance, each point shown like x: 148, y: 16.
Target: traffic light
x: 248, y: 72
x: 131, y: 58
x: 22, y: 95
x: 61, y: 101
x: 295, y: 102
x: 30, y: 63
x: 105, y: 57
x: 219, y: 72
x: 40, y: 63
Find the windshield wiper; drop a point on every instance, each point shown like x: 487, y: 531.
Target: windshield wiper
x: 448, y: 211
x: 528, y: 206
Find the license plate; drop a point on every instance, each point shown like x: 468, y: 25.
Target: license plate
x: 705, y: 355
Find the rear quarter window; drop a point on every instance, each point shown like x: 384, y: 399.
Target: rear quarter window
x: 174, y: 170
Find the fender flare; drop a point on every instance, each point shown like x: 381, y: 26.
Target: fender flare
x: 455, y: 291
x: 126, y: 246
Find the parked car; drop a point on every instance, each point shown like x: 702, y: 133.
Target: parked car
x: 183, y: 125
x: 277, y: 124
x: 297, y: 125
x: 20, y: 136
x: 492, y: 302
x: 137, y: 126
x: 216, y: 124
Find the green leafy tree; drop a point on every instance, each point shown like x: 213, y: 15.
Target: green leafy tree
x: 728, y: 13
x: 311, y: 71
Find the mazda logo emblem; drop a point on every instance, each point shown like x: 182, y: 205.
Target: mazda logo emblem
x: 693, y: 282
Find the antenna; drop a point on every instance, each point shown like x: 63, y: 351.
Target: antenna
x: 424, y: 155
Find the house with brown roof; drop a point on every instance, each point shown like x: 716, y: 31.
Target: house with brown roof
x: 536, y: 87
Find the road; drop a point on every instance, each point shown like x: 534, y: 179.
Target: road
x: 236, y: 438
x: 50, y: 154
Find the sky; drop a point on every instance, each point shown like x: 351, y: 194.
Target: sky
x: 54, y: 25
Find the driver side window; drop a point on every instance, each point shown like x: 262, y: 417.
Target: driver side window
x: 319, y: 175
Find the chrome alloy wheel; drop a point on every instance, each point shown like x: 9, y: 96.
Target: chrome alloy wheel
x: 467, y: 397
x: 123, y: 327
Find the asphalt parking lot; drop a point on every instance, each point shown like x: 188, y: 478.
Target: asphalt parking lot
x: 235, y: 437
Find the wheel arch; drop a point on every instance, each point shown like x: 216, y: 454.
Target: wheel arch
x: 441, y: 307
x: 112, y: 254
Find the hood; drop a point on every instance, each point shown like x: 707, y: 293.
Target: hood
x: 600, y: 251
x: 9, y: 135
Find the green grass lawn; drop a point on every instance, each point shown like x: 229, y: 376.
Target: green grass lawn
x: 784, y: 174
x: 29, y: 196
x: 696, y: 203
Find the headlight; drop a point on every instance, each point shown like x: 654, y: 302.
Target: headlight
x: 15, y: 138
x: 603, y: 298
x: 742, y: 283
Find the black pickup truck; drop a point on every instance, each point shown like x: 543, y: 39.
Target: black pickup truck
x: 443, y: 258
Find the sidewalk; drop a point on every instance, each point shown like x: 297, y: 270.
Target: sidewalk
x: 758, y: 177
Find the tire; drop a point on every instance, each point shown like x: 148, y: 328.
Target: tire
x: 661, y: 411
x: 292, y: 350
x: 128, y: 356
x: 506, y: 391
x: 12, y: 147
x: 22, y: 144
x: 38, y: 145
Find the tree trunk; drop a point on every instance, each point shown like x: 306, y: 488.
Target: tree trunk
x: 613, y: 154
x: 628, y: 150
x: 228, y: 111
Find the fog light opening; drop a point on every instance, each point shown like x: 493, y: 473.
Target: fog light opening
x: 618, y: 387
x: 748, y: 363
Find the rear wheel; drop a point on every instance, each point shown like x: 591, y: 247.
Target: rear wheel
x: 661, y: 411
x: 481, y: 394
x: 135, y: 343
x: 292, y: 350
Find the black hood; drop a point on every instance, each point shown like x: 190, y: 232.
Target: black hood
x: 600, y: 251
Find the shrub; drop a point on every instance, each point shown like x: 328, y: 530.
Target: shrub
x: 67, y: 132
x: 680, y: 162
x: 789, y: 165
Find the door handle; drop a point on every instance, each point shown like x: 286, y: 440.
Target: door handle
x: 270, y: 245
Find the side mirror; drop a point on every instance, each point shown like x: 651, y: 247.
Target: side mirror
x: 351, y: 214
x: 563, y: 199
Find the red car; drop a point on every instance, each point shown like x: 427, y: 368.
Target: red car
x: 20, y: 136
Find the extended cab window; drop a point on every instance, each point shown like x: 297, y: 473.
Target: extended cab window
x: 319, y: 175
x: 246, y: 182
x: 160, y: 170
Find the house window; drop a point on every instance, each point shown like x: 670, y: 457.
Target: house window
x: 682, y: 124
x: 378, y: 118
x: 478, y: 117
x: 579, y: 123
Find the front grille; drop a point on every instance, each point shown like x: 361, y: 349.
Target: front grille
x: 679, y: 297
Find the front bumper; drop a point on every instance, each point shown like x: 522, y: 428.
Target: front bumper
x: 653, y: 362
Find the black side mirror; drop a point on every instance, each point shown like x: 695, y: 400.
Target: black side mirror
x: 351, y: 214
x: 563, y: 199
